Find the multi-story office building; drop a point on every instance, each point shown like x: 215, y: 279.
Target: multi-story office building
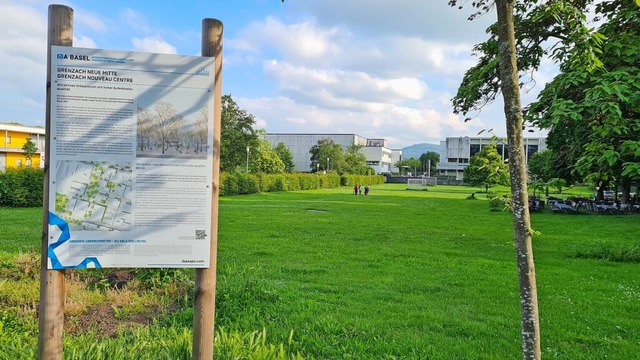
x: 379, y: 156
x: 12, y: 138
x: 455, y: 152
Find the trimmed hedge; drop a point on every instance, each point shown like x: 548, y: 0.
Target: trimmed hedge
x: 243, y: 183
x: 21, y: 187
x: 351, y: 180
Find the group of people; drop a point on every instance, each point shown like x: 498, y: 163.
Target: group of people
x: 357, y: 190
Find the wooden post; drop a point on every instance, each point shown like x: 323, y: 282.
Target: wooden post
x: 205, y: 291
x: 52, y: 281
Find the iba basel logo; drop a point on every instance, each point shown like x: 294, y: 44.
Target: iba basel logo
x: 73, y: 57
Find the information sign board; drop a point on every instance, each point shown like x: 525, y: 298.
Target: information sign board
x: 131, y: 149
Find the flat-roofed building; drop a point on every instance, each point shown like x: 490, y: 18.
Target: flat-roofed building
x: 13, y: 136
x: 379, y: 156
x: 455, y: 152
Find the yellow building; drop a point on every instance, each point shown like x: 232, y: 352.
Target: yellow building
x: 12, y: 138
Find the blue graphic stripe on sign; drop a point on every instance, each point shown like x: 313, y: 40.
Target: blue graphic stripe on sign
x: 55, y: 220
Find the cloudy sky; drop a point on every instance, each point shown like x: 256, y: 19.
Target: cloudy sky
x: 376, y: 68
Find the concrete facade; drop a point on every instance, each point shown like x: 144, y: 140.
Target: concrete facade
x: 12, y: 139
x: 455, y: 152
x: 380, y: 157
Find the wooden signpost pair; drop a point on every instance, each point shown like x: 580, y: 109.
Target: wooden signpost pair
x: 52, y: 282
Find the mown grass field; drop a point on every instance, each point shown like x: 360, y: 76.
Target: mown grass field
x: 407, y: 275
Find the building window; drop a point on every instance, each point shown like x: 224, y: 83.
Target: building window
x: 474, y: 149
x: 531, y: 149
x: 463, y: 161
x: 18, y: 162
x: 452, y: 160
x: 29, y: 162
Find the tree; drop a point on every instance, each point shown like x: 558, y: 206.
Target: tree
x: 355, y: 161
x: 557, y: 183
x: 594, y: 117
x: 327, y: 155
x: 285, y: 155
x: 29, y: 149
x: 541, y: 165
x: 266, y: 160
x: 410, y: 164
x: 430, y: 158
x: 237, y: 133
x: 486, y: 168
x: 502, y: 56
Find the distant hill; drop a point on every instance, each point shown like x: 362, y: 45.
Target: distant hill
x: 418, y: 149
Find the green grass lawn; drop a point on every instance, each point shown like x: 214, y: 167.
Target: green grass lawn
x: 410, y: 274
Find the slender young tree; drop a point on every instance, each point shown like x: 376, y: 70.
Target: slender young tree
x: 486, y: 168
x: 29, y: 149
x: 560, y: 23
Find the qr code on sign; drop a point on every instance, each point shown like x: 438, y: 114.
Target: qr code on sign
x: 201, y: 234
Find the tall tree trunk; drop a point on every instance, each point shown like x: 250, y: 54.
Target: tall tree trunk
x: 518, y: 174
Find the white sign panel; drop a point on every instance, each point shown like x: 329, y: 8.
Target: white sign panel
x: 131, y: 143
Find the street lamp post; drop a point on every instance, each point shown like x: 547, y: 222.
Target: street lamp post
x: 327, y: 165
x: 317, y: 168
x: 247, y: 169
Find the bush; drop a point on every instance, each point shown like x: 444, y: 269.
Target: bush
x: 242, y: 183
x: 21, y: 187
x: 351, y: 180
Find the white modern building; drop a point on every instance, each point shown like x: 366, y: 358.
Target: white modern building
x: 455, y: 152
x: 379, y: 156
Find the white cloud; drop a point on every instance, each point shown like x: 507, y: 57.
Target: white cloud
x: 153, y: 44
x: 23, y: 48
x: 302, y: 42
x: 84, y: 42
x: 339, y: 86
x: 90, y: 20
x: 135, y: 21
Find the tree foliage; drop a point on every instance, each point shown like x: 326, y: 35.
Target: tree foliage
x: 326, y: 155
x: 541, y: 166
x: 486, y: 168
x: 237, y: 133
x: 543, y: 28
x: 430, y: 157
x: 355, y: 161
x: 411, y: 164
x: 266, y: 160
x: 285, y: 155
x: 29, y: 149
x: 594, y: 117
